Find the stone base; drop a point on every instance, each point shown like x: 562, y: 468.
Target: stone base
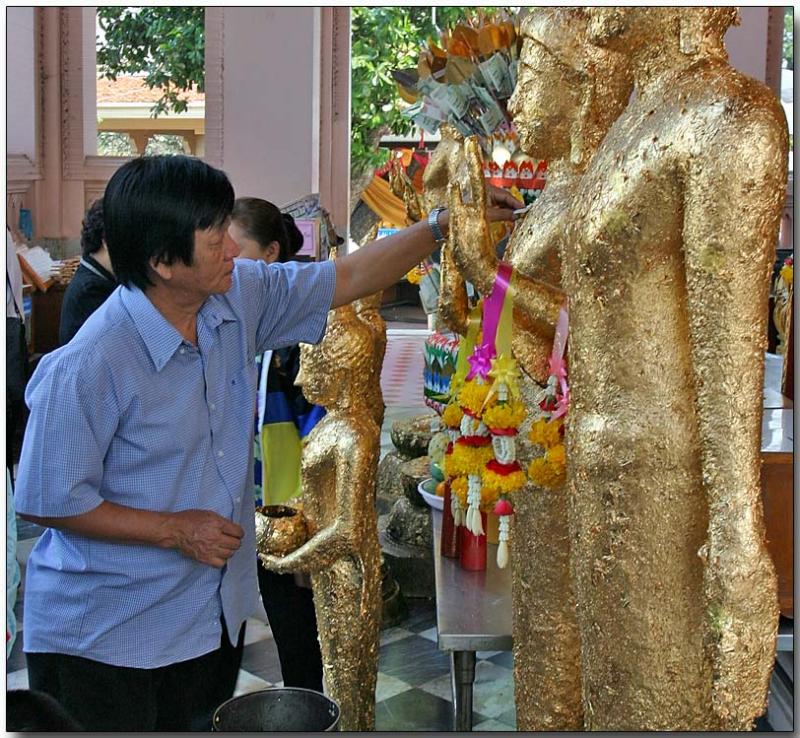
x: 406, y: 538
x: 394, y: 608
x: 411, y: 436
x: 412, y: 567
x: 389, y: 485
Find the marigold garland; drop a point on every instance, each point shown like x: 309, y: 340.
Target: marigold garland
x: 545, y: 474
x: 467, y: 459
x: 504, y: 415
x: 546, y: 433
x: 458, y: 487
x: 504, y: 483
x: 452, y: 415
x: 472, y: 396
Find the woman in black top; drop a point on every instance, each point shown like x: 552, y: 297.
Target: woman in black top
x: 262, y: 232
x: 94, y: 279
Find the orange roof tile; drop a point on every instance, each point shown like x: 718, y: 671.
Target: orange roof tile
x: 134, y: 90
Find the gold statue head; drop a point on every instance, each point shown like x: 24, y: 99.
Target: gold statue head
x: 568, y: 91
x: 692, y: 30
x: 368, y: 310
x: 334, y: 371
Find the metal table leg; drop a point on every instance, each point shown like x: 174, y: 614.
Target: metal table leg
x: 462, y: 677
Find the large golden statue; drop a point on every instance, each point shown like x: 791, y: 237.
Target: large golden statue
x: 567, y: 96
x: 338, y: 477
x: 670, y: 248
x: 666, y: 261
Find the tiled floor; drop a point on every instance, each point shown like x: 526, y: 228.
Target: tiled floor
x: 413, y: 689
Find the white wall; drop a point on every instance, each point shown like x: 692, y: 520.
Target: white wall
x: 747, y: 43
x: 20, y: 86
x: 271, y: 101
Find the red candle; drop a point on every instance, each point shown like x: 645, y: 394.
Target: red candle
x: 473, y: 548
x: 451, y: 538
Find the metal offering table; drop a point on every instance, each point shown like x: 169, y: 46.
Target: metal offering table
x: 473, y: 613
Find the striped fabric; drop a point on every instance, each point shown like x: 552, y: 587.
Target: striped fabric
x: 131, y: 413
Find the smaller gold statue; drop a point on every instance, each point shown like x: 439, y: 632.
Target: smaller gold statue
x: 338, y: 477
x: 368, y: 311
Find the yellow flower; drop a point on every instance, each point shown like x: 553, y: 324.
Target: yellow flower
x: 546, y: 433
x: 489, y: 497
x: 545, y: 474
x: 504, y: 415
x: 505, y: 484
x: 458, y: 487
x: 787, y: 274
x: 467, y: 459
x: 472, y: 396
x: 452, y: 415
x: 557, y: 455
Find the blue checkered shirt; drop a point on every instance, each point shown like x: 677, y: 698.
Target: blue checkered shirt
x: 131, y: 413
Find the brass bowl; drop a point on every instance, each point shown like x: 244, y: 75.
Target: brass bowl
x: 280, y: 529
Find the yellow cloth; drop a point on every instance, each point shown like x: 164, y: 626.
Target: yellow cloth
x: 384, y: 203
x: 280, y: 459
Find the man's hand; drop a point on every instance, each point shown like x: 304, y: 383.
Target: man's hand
x: 204, y: 536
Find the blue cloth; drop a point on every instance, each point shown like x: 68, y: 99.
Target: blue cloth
x: 132, y: 413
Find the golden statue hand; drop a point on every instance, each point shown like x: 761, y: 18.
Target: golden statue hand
x: 319, y: 552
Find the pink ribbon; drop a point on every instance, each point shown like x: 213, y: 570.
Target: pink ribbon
x: 494, y: 304
x: 558, y: 366
x: 480, y: 362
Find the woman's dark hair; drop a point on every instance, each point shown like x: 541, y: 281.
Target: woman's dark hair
x: 92, y: 229
x: 293, y: 232
x: 264, y: 223
x: 152, y: 207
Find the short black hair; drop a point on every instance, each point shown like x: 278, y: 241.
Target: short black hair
x: 263, y: 222
x: 294, y: 235
x: 152, y: 207
x: 92, y: 229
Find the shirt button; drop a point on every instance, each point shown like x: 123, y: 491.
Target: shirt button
x: 183, y: 351
x: 213, y: 406
x: 220, y: 454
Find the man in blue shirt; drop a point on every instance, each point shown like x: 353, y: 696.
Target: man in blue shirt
x: 136, y: 459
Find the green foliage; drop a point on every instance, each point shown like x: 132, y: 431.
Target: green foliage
x: 788, y: 37
x: 166, y: 43
x: 165, y: 143
x: 383, y: 39
x: 112, y: 143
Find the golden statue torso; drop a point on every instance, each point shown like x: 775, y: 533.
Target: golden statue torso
x: 642, y: 515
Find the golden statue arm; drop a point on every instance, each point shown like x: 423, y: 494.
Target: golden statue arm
x: 474, y: 251
x: 453, y: 301
x: 731, y: 219
x: 337, y: 540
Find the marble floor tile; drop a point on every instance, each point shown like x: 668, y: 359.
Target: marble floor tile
x: 502, y: 658
x: 388, y: 686
x: 256, y: 631
x: 492, y: 693
x: 261, y: 659
x: 413, y: 710
x: 494, y: 726
x: 390, y: 635
x: 16, y: 660
x: 431, y: 634
x: 486, y: 655
x: 414, y: 660
x: 247, y: 682
x: 509, y: 717
x: 17, y: 679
